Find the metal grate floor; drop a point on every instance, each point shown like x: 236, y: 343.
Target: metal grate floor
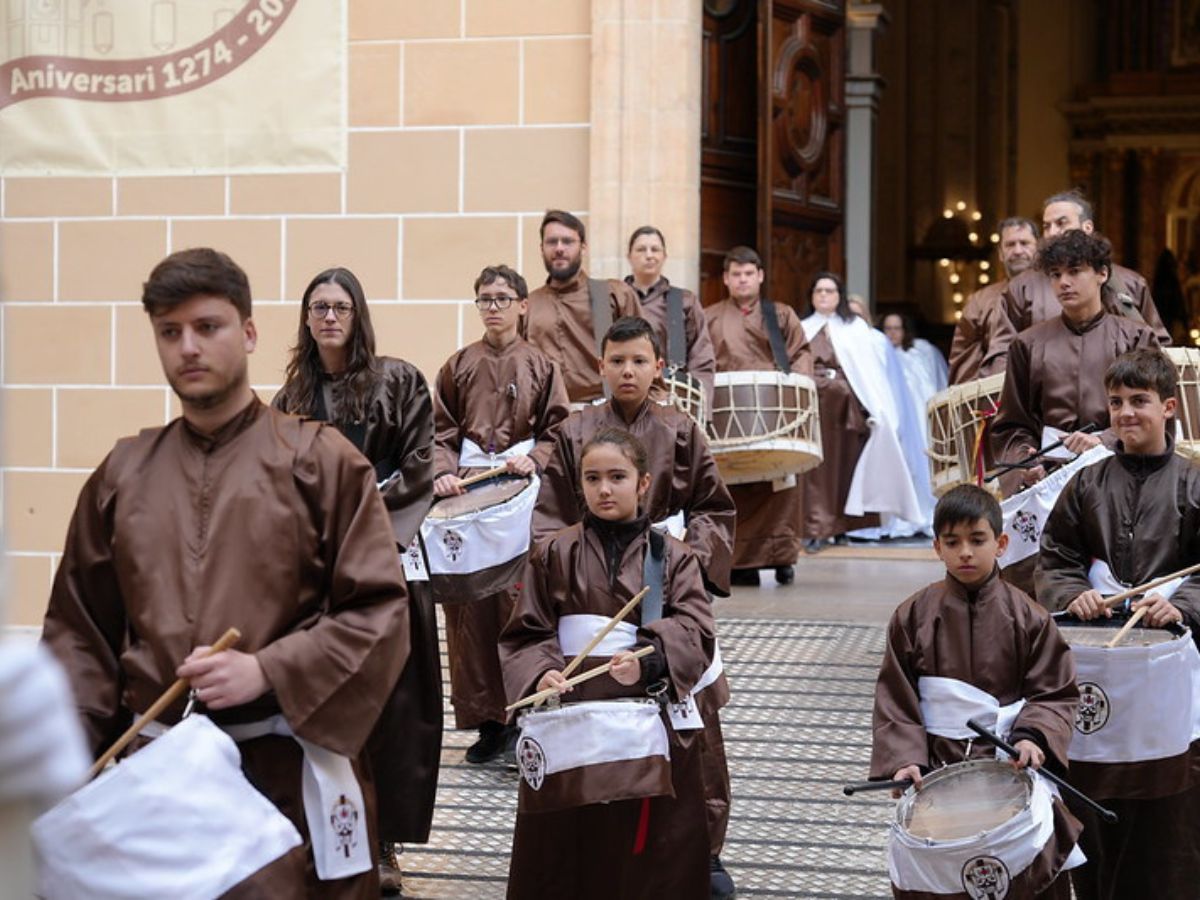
x: 797, y: 729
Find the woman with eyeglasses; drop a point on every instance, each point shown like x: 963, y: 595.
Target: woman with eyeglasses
x: 382, y: 405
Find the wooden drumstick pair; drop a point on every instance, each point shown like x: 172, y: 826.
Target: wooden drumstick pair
x: 1141, y: 589
x: 542, y: 696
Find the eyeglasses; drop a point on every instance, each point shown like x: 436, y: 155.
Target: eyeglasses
x: 486, y: 303
x: 321, y: 310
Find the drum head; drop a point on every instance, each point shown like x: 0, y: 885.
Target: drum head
x: 1098, y: 635
x: 964, y: 799
x: 479, y: 497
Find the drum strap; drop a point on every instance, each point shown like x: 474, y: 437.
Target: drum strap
x: 652, y: 576
x: 354, y: 432
x: 771, y: 324
x: 676, y: 335
x: 601, y: 310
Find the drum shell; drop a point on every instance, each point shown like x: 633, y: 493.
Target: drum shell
x: 764, y: 426
x: 685, y: 392
x: 1187, y: 415
x: 955, y: 417
x: 594, y: 751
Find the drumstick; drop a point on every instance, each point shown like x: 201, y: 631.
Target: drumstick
x: 851, y: 789
x: 1149, y: 585
x: 169, y: 696
x: 571, y: 682
x: 1026, y: 463
x: 603, y: 632
x: 1106, y: 814
x: 483, y: 476
x: 1133, y: 620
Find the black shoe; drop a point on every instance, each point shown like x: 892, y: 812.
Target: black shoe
x: 785, y: 574
x: 511, y: 733
x: 719, y: 881
x: 813, y: 545
x: 389, y: 870
x: 840, y: 540
x: 493, y: 737
x: 744, y: 578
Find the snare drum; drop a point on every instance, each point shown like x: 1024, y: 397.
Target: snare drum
x: 176, y: 819
x: 1187, y: 414
x: 595, y: 751
x: 764, y: 426
x: 476, y: 542
x: 956, y: 416
x: 685, y: 392
x: 975, y: 827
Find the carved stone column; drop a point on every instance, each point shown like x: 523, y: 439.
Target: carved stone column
x: 864, y: 86
x: 645, y: 136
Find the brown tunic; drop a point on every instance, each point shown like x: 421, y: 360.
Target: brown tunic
x: 844, y: 433
x: 701, y: 361
x: 1141, y: 515
x: 585, y: 852
x: 683, y: 477
x: 496, y: 398
x: 1000, y: 641
x: 768, y: 531
x: 396, y: 436
x: 971, y: 353
x: 173, y: 536
x: 559, y: 323
x: 1055, y: 377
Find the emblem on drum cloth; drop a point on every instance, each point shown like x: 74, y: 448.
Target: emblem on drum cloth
x: 985, y: 878
x: 453, y: 543
x: 532, y: 762
x: 1025, y: 524
x: 344, y: 821
x: 1094, y: 708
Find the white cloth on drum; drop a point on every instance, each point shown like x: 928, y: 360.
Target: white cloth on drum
x: 675, y: 525
x: 177, y: 819
x: 1025, y: 514
x: 472, y: 456
x: 333, y: 800
x: 1101, y: 577
x: 882, y: 482
x: 575, y: 631
x: 936, y: 866
x: 1051, y: 435
x: 947, y: 704
x: 479, y: 540
x: 1144, y: 701
x: 595, y: 732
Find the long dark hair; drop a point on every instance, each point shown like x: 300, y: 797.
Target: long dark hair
x: 843, y: 305
x: 305, y: 372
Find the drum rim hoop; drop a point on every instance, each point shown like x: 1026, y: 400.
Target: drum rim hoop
x: 910, y: 794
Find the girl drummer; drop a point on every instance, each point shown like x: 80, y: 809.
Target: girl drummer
x: 573, y: 583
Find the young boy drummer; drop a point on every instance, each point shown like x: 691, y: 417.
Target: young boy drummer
x: 1121, y: 522
x: 495, y: 402
x: 684, y: 483
x: 574, y: 582
x: 975, y: 632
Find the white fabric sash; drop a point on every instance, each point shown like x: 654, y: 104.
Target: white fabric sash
x: 684, y: 715
x: 1025, y: 514
x: 675, y: 525
x: 575, y: 631
x: 947, y: 704
x: 480, y: 540
x: 176, y: 819
x: 881, y: 481
x: 1137, y: 703
x: 1051, y: 435
x: 1101, y: 577
x: 941, y: 867
x: 333, y: 800
x: 413, y: 559
x: 472, y: 456
x: 594, y: 732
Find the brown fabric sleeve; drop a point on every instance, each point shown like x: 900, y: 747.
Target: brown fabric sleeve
x: 333, y: 678
x: 529, y: 643
x: 1051, y: 696
x: 687, y: 633
x: 1015, y: 430
x: 625, y: 300
x: 558, y: 503
x: 799, y: 354
x: 898, y: 736
x: 447, y: 429
x: 967, y: 348
x: 408, y: 493
x: 702, y: 358
x: 1145, y: 304
x: 553, y: 407
x: 710, y: 510
x: 1063, y: 560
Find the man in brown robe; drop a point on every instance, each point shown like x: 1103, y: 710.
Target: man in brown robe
x: 562, y: 320
x: 1051, y: 378
x: 1151, y: 850
x: 972, y: 355
x: 498, y: 397
x: 593, y: 568
x: 1030, y: 298
x: 768, y: 515
x: 976, y: 629
x: 234, y: 515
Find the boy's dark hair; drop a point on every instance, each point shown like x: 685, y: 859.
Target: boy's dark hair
x: 1073, y: 196
x: 197, y: 272
x: 647, y: 229
x: 511, y: 277
x: 1144, y: 369
x: 741, y: 254
x: 633, y: 449
x: 967, y: 503
x: 630, y: 328
x: 562, y: 217
x: 1075, y: 248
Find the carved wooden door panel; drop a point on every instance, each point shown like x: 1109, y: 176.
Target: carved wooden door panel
x: 801, y: 146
